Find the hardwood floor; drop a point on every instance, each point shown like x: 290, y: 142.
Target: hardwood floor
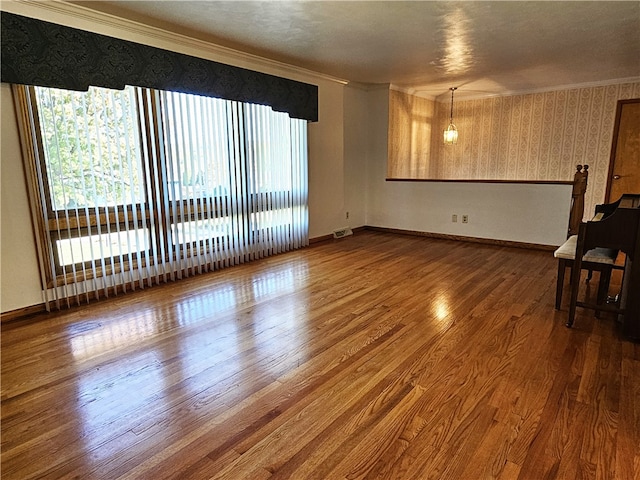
x: 375, y: 356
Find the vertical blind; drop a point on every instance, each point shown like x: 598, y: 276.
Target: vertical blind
x: 139, y: 186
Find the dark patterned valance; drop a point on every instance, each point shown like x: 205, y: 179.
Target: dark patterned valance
x: 46, y: 54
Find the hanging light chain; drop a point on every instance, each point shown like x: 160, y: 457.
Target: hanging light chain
x: 453, y: 89
x: 451, y: 132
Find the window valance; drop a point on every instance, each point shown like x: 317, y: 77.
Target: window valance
x: 45, y: 54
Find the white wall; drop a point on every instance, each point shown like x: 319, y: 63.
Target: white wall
x: 326, y: 163
x: 528, y: 213
x: 19, y: 275
x: 356, y: 151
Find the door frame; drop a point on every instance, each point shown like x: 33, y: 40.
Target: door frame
x: 614, y: 144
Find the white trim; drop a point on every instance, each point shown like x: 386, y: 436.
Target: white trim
x: 64, y: 13
x: 371, y: 87
x: 461, y: 96
x: 76, y: 16
x: 411, y: 91
x: 602, y: 83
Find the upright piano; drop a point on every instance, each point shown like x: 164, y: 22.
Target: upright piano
x: 615, y: 225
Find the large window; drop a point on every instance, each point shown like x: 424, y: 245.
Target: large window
x: 138, y: 186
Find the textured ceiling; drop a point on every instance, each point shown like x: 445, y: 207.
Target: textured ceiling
x: 480, y: 47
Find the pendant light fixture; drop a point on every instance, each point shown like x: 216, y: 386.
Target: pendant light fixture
x: 451, y: 133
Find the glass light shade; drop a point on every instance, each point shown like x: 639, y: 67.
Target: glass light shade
x: 451, y: 135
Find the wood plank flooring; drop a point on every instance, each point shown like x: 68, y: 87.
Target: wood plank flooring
x: 374, y: 356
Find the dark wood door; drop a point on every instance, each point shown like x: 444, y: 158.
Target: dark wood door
x: 624, y: 166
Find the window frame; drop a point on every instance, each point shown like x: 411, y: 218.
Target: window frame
x: 70, y: 221
x: 73, y: 222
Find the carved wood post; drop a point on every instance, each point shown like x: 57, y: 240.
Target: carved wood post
x: 577, y: 198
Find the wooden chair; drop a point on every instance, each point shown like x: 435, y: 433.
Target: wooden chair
x: 598, y: 259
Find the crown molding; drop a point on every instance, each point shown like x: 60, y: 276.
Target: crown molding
x: 574, y: 86
x: 366, y: 87
x: 412, y: 91
x: 65, y: 13
x: 460, y: 96
x: 71, y: 15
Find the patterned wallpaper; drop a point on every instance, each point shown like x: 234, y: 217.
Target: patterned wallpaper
x: 410, y: 124
x: 538, y: 136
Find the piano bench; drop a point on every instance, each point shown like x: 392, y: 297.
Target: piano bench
x: 599, y: 259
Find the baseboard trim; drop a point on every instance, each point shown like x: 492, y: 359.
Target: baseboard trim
x: 460, y: 238
x: 321, y: 239
x: 33, y: 310
x: 22, y: 313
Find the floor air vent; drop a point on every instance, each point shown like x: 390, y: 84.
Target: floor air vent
x: 343, y: 232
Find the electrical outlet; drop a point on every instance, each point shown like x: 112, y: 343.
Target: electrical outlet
x: 347, y: 215
x: 465, y: 218
x: 454, y: 218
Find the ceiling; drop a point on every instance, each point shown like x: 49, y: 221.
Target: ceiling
x: 482, y: 48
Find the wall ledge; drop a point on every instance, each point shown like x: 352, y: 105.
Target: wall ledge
x: 450, y: 180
